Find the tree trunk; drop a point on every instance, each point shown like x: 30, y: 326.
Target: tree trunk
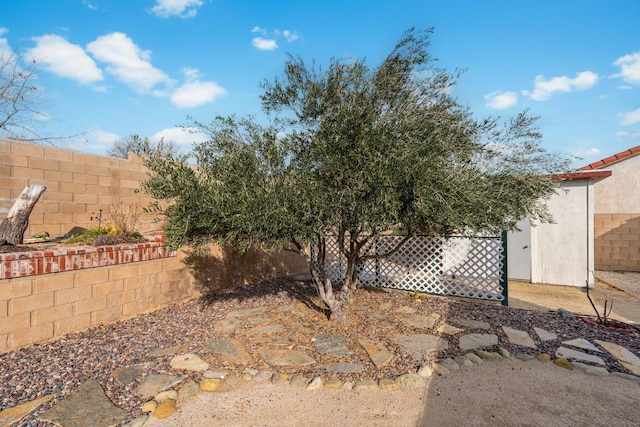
x: 12, y: 228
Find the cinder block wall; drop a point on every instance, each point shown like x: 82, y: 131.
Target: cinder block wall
x: 78, y: 186
x: 40, y: 308
x: 617, y: 242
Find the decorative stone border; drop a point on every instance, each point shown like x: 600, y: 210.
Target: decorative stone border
x: 24, y: 264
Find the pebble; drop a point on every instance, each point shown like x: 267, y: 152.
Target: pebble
x: 366, y: 385
x: 439, y: 369
x: 210, y: 384
x: 450, y: 364
x: 333, y: 383
x: 463, y: 361
x: 188, y: 390
x: 504, y: 353
x: 164, y: 395
x: 543, y: 357
x: 410, y: 381
x: 489, y: 355
x: 165, y: 409
x: 563, y: 363
x: 299, y: 381
x: 425, y: 371
x: 387, y: 384
x: 475, y: 359
x: 149, y: 406
x: 524, y: 357
x: 138, y: 422
x: 215, y: 373
x: 315, y: 384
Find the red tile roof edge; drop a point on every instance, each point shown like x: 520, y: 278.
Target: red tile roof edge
x: 612, y: 159
x: 587, y: 174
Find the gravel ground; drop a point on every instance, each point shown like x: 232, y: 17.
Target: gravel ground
x: 58, y: 367
x: 629, y: 281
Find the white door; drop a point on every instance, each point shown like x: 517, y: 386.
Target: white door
x: 519, y: 253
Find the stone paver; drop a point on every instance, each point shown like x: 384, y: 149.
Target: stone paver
x: 377, y: 351
x: 449, y: 329
x: 188, y: 362
x: 247, y: 312
x: 582, y: 343
x: 545, y: 335
x: 470, y: 324
x: 15, y: 414
x: 229, y: 351
x: 473, y: 341
x: 568, y: 353
x: 129, y: 374
x: 629, y: 360
x: 275, y: 357
x: 417, y: 345
x: 343, y: 367
x: 421, y: 321
x: 154, y: 383
x: 86, y: 406
x: 170, y: 351
x: 519, y: 337
x: 331, y: 344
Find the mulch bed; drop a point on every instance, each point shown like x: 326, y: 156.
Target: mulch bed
x: 59, y: 366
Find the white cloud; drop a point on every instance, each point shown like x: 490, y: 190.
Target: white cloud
x: 629, y: 67
x: 543, y: 89
x: 501, y: 100
x: 630, y: 117
x: 290, y: 36
x: 264, y: 44
x: 194, y: 94
x: 93, y: 141
x: 3, y: 31
x: 64, y: 59
x: 181, y: 137
x: 258, y: 29
x: 181, y: 8
x: 127, y: 61
x: 628, y: 135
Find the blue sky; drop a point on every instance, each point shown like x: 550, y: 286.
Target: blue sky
x: 112, y: 68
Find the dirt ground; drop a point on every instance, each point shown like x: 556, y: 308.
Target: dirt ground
x: 506, y: 393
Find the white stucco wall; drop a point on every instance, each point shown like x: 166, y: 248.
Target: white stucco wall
x: 619, y: 193
x: 561, y: 253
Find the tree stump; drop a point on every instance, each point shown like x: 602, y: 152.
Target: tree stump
x: 12, y: 228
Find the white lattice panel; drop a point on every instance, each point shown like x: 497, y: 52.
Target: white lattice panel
x: 468, y: 267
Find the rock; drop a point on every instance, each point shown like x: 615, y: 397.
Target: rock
x: 149, y: 406
x: 348, y: 385
x: 299, y: 381
x: 463, y: 361
x: 170, y: 351
x: 344, y: 367
x: 154, y: 383
x: 215, y: 373
x: 473, y: 341
x: 315, y: 384
x: 189, y: 390
x: 228, y: 351
x: 620, y: 353
x: 474, y: 358
x: 254, y: 321
x: 333, y: 383
x: 262, y: 376
x: 138, y: 422
x: 417, y: 345
x: 545, y: 335
x: 334, y: 345
x: 227, y: 325
x: 387, y: 384
x: 597, y: 371
x: 377, y: 351
x: 164, y: 395
x: 543, y: 357
x: 276, y: 357
x: 421, y: 321
x: 425, y: 371
x: 406, y: 310
x: 565, y: 313
x: 439, y: 369
x: 267, y: 330
x: 563, y: 363
x: 366, y: 385
x: 450, y: 364
x: 448, y: 329
x: 165, y: 409
x: 504, y: 353
x: 86, y: 406
x: 489, y: 355
x: 567, y: 353
x: 15, y: 414
x: 518, y: 337
x: 582, y: 343
x: 231, y: 380
x: 470, y: 324
x: 524, y: 357
x: 410, y: 381
x: 129, y: 374
x: 210, y: 384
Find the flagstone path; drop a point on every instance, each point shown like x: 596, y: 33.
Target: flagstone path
x: 469, y: 338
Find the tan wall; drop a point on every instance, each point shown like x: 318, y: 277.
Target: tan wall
x: 620, y: 192
x: 617, y: 241
x: 40, y: 308
x: 78, y: 186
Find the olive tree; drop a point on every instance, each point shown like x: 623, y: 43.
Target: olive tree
x: 352, y: 152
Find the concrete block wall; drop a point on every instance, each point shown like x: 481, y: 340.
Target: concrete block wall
x: 78, y: 186
x: 617, y: 242
x: 40, y: 308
